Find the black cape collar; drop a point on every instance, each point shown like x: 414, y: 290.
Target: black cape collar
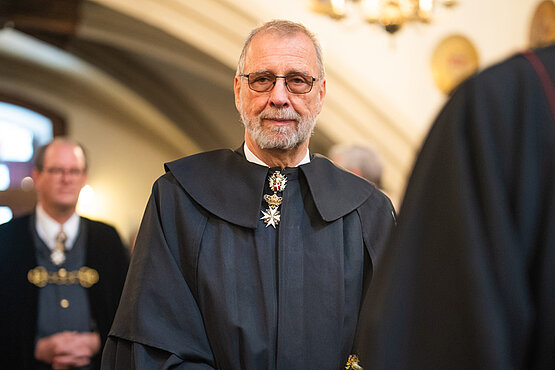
x: 230, y: 187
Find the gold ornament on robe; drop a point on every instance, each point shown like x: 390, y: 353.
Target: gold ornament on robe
x: 85, y: 276
x: 353, y: 363
x: 271, y: 216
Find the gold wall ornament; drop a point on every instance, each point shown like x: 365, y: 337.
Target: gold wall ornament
x: 390, y: 14
x: 85, y: 276
x: 454, y: 59
x: 542, y: 27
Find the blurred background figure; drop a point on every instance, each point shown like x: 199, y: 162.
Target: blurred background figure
x: 468, y: 278
x: 360, y: 160
x: 61, y: 274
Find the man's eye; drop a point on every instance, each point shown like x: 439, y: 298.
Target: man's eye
x: 261, y: 79
x: 296, y: 80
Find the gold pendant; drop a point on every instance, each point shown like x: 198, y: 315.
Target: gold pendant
x: 57, y: 257
x: 272, y: 215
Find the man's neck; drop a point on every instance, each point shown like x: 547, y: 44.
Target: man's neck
x: 59, y: 214
x: 278, y: 157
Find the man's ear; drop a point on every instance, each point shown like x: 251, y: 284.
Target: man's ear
x: 321, y: 95
x: 237, y: 91
x: 323, y: 90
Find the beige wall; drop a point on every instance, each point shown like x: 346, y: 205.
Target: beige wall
x: 124, y: 166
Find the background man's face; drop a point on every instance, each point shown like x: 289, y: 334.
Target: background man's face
x: 62, y: 177
x: 278, y: 119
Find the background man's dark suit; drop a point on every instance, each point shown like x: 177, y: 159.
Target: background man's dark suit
x: 19, y: 309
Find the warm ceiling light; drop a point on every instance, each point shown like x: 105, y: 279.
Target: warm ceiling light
x: 390, y: 14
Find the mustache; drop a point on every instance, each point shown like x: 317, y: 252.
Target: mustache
x: 287, y: 114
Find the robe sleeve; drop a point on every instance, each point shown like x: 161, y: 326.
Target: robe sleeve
x: 123, y: 354
x: 378, y: 218
x: 468, y: 279
x: 158, y: 324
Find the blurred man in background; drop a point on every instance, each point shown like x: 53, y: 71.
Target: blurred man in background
x: 361, y: 160
x: 61, y: 274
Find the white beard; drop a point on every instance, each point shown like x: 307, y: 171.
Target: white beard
x: 284, y: 138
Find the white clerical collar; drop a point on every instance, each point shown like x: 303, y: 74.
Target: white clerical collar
x: 254, y: 159
x: 48, y: 228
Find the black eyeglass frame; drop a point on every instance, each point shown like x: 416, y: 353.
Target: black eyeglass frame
x: 284, y: 81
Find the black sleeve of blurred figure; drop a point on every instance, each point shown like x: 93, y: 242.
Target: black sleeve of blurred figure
x: 468, y: 278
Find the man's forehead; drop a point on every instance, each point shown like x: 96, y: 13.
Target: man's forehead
x: 63, y: 151
x: 274, y: 38
x: 272, y: 43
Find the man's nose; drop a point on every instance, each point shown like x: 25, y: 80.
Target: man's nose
x: 279, y: 96
x: 65, y: 176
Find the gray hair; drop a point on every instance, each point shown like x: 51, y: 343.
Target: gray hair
x: 361, y: 158
x: 40, y: 152
x: 284, y: 28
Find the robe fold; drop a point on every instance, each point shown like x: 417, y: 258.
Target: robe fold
x: 211, y: 286
x: 468, y: 279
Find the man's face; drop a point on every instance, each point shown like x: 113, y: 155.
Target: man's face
x: 62, y: 177
x: 279, y: 119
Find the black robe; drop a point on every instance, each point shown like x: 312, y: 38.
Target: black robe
x: 211, y: 286
x: 468, y: 279
x: 19, y: 299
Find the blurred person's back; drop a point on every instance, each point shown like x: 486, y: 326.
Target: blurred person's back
x: 467, y: 280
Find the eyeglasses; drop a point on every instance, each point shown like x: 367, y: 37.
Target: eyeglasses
x: 58, y: 171
x: 296, y: 83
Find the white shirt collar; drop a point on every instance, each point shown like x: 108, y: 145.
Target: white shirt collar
x: 254, y: 159
x: 48, y: 228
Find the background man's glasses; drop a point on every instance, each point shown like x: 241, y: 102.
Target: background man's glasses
x: 58, y: 171
x: 296, y: 83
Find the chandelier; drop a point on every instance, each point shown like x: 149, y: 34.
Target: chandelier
x: 390, y: 14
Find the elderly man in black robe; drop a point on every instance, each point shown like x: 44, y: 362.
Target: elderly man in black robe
x: 256, y: 258
x: 468, y: 279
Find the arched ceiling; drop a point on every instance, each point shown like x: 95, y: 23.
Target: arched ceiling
x: 189, y: 87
